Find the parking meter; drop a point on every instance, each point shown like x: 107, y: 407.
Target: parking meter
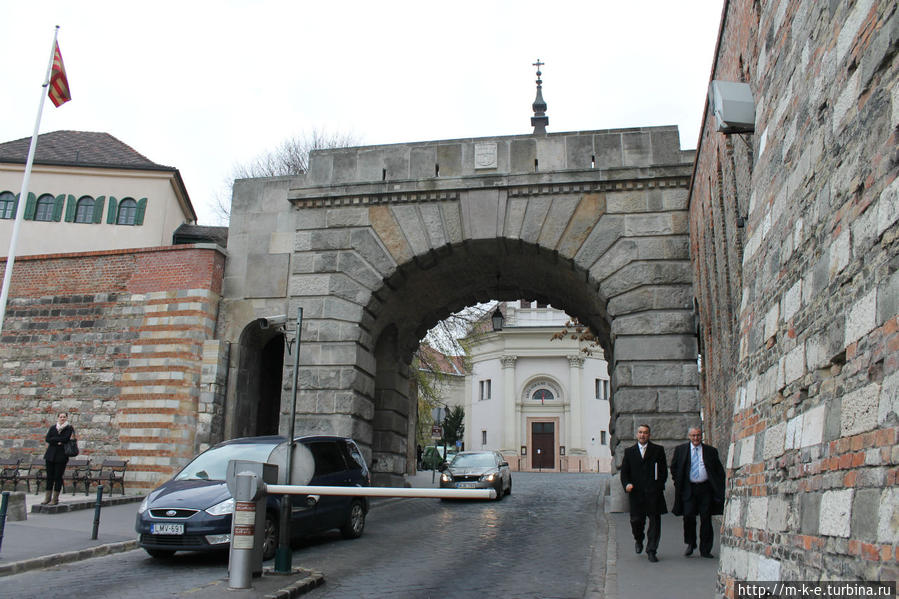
x: 245, y: 479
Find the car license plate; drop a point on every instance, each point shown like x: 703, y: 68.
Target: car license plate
x: 167, y: 529
x: 466, y: 485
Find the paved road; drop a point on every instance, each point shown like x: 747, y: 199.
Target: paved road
x: 538, y: 542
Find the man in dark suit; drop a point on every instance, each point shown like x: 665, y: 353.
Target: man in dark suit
x: 698, y: 490
x: 644, y: 471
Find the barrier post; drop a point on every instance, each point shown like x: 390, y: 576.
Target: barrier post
x: 97, y: 505
x: 4, y: 504
x: 243, y: 531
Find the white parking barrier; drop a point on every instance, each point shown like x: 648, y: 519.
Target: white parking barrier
x: 381, y: 492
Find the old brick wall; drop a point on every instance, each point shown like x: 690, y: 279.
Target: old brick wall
x: 124, y: 341
x: 799, y: 305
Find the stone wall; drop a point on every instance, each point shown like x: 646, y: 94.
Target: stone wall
x: 123, y: 340
x: 795, y: 247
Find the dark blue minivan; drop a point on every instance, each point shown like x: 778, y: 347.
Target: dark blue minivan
x: 192, y: 511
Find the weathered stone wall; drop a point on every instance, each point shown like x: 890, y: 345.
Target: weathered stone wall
x: 799, y: 306
x: 123, y: 341
x: 377, y: 244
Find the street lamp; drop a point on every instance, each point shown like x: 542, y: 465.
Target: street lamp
x: 497, y: 319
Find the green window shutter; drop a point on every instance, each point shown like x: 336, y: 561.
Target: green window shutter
x: 57, y: 209
x: 70, y: 209
x: 98, y: 209
x: 15, y: 208
x: 111, y: 214
x: 141, y: 209
x: 30, y: 206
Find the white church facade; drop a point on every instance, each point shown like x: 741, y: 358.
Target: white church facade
x: 543, y: 403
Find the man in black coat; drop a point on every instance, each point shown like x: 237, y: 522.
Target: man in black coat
x: 698, y: 490
x: 644, y: 471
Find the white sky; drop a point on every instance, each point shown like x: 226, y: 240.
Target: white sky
x: 202, y: 85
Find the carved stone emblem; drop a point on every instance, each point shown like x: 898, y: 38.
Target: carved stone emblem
x: 485, y: 155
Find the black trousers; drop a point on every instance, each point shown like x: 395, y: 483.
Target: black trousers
x: 700, y: 504
x: 653, y: 533
x: 55, y: 471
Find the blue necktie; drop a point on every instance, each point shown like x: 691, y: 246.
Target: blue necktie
x: 695, y: 465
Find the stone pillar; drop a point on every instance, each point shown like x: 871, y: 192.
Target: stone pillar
x: 574, y: 428
x: 510, y: 422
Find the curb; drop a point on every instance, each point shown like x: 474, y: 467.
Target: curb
x: 86, y: 504
x: 46, y: 561
x: 311, y: 580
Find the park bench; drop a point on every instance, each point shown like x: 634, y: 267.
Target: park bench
x: 110, y: 473
x: 36, y: 472
x: 78, y: 472
x: 9, y: 472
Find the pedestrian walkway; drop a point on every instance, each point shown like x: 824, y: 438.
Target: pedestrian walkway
x: 674, y: 576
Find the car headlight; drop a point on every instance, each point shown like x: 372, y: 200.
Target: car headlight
x: 490, y: 477
x: 221, y: 509
x: 446, y: 477
x: 144, y: 505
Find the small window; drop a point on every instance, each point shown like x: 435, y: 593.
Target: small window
x: 327, y: 458
x: 7, y: 204
x: 543, y: 395
x: 601, y: 389
x: 485, y: 389
x: 127, y: 212
x: 84, y: 211
x: 602, y: 438
x: 484, y: 437
x: 45, y: 205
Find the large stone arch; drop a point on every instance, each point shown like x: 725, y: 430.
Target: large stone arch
x: 376, y: 249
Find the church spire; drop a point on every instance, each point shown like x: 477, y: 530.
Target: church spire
x: 539, y: 120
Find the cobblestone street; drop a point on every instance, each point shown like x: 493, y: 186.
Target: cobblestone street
x: 537, y: 542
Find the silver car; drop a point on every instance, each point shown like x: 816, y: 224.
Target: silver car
x: 478, y: 470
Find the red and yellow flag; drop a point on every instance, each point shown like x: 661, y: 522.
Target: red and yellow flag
x: 59, y: 85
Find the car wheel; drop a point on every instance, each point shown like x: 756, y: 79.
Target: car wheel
x: 270, y: 537
x: 355, y: 521
x: 499, y: 490
x: 160, y: 553
x: 509, y: 492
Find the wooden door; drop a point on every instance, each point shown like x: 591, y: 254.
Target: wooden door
x: 543, y: 439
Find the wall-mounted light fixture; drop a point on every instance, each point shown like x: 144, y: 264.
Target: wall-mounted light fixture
x: 497, y: 319
x: 733, y: 107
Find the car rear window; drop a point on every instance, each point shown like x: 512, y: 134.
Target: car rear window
x: 354, y: 457
x: 328, y: 459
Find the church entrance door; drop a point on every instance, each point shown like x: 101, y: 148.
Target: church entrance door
x: 543, y: 437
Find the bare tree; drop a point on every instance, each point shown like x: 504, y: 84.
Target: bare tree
x: 291, y: 157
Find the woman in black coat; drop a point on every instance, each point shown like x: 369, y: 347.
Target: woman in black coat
x: 55, y: 457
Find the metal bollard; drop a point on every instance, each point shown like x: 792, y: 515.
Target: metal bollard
x: 97, y: 506
x: 4, y: 503
x: 243, y: 531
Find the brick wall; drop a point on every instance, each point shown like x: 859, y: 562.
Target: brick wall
x: 120, y: 339
x: 799, y: 306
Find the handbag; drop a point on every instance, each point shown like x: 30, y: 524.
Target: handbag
x: 70, y: 447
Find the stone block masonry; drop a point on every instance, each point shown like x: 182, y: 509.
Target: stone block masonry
x: 795, y: 245
x: 123, y: 341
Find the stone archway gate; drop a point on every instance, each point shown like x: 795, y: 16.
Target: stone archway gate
x: 379, y: 243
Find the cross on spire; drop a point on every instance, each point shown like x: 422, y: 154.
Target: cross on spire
x: 539, y: 121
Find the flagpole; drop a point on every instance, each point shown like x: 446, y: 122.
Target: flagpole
x: 23, y: 197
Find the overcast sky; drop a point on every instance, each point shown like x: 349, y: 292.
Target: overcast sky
x: 202, y: 85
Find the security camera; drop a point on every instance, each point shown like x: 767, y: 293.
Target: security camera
x: 272, y: 321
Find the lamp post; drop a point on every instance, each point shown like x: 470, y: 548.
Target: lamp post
x: 283, y: 557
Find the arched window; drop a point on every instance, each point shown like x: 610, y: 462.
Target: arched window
x: 127, y: 212
x: 45, y: 205
x: 84, y: 212
x: 543, y: 395
x: 7, y: 204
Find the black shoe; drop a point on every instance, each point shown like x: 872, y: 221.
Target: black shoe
x: 638, y: 546
x: 708, y: 555
x: 652, y: 556
x: 689, y: 549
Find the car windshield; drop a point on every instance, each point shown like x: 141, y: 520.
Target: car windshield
x: 474, y: 460
x: 213, y: 464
